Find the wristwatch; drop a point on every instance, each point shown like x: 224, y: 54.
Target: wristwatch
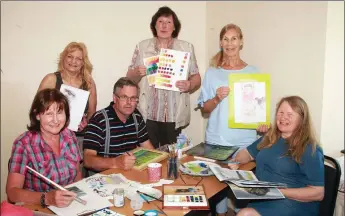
x: 42, y: 201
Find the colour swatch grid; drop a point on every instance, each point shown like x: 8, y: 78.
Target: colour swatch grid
x: 172, y: 65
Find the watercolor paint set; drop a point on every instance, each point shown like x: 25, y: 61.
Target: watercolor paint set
x: 185, y: 196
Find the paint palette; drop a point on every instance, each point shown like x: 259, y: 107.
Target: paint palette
x: 198, y: 168
x: 172, y: 66
x: 184, y: 196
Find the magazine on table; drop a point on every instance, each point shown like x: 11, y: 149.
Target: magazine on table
x: 245, y: 185
x: 242, y: 178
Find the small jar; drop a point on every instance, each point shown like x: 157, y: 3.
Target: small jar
x: 118, y: 196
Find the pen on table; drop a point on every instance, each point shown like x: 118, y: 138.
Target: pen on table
x: 205, y: 159
x: 182, y: 178
x: 142, y: 196
x: 142, y: 193
x: 198, y: 182
x: 91, y: 212
x: 56, y: 185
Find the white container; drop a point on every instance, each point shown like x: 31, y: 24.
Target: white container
x: 118, y: 197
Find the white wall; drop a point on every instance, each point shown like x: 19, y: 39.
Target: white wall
x: 34, y: 33
x: 332, y: 127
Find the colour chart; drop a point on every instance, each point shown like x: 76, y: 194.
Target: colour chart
x: 151, y: 64
x: 172, y: 66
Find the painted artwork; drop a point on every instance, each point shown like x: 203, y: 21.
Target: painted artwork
x: 146, y: 156
x: 249, y: 100
x: 151, y: 64
x: 103, y: 185
x: 172, y: 66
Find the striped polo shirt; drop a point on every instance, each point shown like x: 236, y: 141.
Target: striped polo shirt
x: 123, y: 136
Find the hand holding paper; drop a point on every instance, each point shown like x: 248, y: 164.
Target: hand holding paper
x: 222, y: 92
x: 183, y: 85
x: 140, y: 70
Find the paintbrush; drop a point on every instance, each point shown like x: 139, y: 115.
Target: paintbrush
x: 56, y: 185
x: 142, y: 193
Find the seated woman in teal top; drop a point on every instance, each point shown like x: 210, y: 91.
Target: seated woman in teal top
x: 288, y: 153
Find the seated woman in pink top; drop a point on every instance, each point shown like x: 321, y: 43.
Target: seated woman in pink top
x: 49, y: 148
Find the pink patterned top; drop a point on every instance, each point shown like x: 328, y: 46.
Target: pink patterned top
x: 30, y: 149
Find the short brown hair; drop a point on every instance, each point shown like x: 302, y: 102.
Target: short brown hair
x: 124, y: 81
x: 165, y: 11
x: 41, y: 103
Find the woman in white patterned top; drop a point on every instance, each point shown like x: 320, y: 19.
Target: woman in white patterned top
x: 166, y: 112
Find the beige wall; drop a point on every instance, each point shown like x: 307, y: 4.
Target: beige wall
x: 285, y: 39
x: 332, y: 125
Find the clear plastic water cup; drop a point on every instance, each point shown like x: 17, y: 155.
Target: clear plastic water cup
x: 136, y: 202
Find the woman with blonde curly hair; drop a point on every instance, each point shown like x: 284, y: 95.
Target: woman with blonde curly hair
x: 74, y: 69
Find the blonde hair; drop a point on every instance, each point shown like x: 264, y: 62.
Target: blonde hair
x: 87, y: 67
x: 301, y: 137
x: 217, y: 60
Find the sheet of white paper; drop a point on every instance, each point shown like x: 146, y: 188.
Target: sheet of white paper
x: 160, y: 183
x: 93, y: 202
x: 77, y: 102
x: 249, y: 102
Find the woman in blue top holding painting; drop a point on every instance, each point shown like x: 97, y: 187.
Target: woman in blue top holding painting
x: 215, y: 90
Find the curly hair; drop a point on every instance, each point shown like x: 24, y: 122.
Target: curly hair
x: 87, y: 67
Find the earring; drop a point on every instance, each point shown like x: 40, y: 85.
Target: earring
x: 221, y: 49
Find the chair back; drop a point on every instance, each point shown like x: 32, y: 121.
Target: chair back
x: 332, y: 179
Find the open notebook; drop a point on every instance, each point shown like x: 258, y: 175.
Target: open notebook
x: 94, y: 202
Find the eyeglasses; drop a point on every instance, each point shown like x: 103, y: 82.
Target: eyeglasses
x: 125, y: 98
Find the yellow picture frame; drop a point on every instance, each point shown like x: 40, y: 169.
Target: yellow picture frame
x: 248, y: 78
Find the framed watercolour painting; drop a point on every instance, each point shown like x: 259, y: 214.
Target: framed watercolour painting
x: 146, y: 156
x: 249, y: 100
